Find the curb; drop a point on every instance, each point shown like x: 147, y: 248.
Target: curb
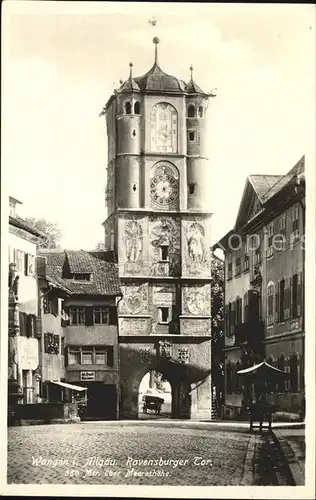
x: 247, y: 478
x: 295, y: 467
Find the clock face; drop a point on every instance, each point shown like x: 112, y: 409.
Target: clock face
x: 163, y: 189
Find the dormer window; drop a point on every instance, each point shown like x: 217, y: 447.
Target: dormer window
x: 82, y: 276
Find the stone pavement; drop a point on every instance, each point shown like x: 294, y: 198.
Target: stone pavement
x: 116, y: 453
x: 292, y: 443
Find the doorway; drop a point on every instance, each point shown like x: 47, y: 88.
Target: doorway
x: 101, y: 401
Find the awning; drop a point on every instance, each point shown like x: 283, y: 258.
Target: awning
x: 69, y: 386
x: 261, y: 367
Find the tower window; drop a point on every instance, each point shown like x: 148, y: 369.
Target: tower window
x: 134, y: 187
x: 191, y: 111
x: 137, y: 108
x: 128, y: 108
x: 134, y: 133
x: 192, y: 186
x: 191, y: 136
x: 164, y: 252
x: 201, y: 111
x: 164, y: 314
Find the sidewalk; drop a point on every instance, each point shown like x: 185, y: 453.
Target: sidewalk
x: 292, y: 443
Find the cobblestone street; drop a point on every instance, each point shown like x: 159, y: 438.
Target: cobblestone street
x: 100, y: 453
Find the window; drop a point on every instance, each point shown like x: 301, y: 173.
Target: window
x: 137, y: 108
x: 100, y: 356
x: 238, y: 311
x: 201, y: 111
x: 237, y: 263
x: 282, y: 300
x: 245, y: 265
x: 18, y: 259
x: 50, y: 305
x: 100, y: 316
x: 191, y: 135
x: 82, y: 276
x: 164, y: 314
x: 29, y: 264
x: 87, y: 357
x: 164, y: 252
x: 192, y: 187
x: 77, y: 315
x: 295, y: 226
x: 73, y: 356
x: 191, y: 111
x: 294, y: 296
x: 62, y: 346
x: 128, y: 108
x: 270, y: 240
x: 270, y: 304
x: 51, y: 343
x: 256, y: 246
x: 282, y: 232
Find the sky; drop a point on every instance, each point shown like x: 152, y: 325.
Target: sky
x: 62, y: 60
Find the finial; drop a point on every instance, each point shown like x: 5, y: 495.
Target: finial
x: 191, y: 69
x: 156, y: 41
x: 130, y: 71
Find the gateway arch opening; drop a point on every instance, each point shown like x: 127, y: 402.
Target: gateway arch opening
x: 154, y: 396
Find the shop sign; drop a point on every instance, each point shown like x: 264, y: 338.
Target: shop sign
x: 87, y: 375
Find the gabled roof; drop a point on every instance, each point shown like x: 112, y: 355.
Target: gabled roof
x: 61, y: 264
x: 20, y: 223
x: 262, y: 183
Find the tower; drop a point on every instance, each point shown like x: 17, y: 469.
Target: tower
x: 158, y: 230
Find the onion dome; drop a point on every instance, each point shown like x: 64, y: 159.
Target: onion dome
x: 192, y: 87
x: 157, y: 80
x: 130, y: 85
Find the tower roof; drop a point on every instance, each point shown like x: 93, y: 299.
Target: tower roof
x: 130, y: 84
x: 192, y: 87
x: 156, y: 79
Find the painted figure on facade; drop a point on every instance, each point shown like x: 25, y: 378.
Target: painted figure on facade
x: 166, y: 233
x: 133, y: 237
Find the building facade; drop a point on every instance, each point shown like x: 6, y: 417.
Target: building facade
x: 24, y: 344
x: 79, y: 294
x: 264, y: 288
x: 157, y: 230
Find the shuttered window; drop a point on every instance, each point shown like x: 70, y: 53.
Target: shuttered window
x: 270, y: 304
x: 282, y: 301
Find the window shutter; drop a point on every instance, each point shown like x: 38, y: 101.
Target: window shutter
x: 299, y: 295
x: 277, y: 302
x: 66, y: 355
x: 110, y: 356
x: 56, y: 340
x: 112, y: 316
x: 246, y: 307
x: 89, y: 316
x: 26, y: 263
x: 290, y: 297
x: 41, y: 266
x: 45, y: 342
x: 226, y: 319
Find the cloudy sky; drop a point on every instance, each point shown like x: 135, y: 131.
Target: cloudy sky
x: 61, y: 61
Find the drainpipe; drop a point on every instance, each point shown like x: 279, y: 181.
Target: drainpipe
x: 120, y: 297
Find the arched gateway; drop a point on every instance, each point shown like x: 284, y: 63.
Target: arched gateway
x: 158, y: 231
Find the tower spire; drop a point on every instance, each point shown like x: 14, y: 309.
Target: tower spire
x: 156, y: 41
x: 131, y: 70
x: 191, y: 70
